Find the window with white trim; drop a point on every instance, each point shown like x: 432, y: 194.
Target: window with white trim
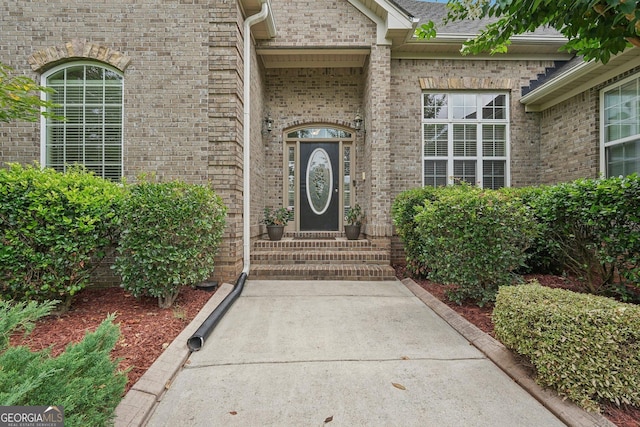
x: 620, y: 128
x: 91, y: 101
x: 465, y: 138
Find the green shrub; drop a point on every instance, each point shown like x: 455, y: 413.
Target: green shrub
x: 170, y: 235
x: 403, y: 211
x: 54, y: 228
x: 474, y: 239
x: 586, y: 347
x: 83, y: 379
x: 593, y: 225
x: 543, y: 256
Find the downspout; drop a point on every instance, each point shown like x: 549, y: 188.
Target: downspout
x: 246, y: 128
x: 196, y: 341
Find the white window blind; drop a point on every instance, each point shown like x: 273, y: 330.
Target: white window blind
x: 620, y: 128
x: 91, y: 100
x: 465, y: 138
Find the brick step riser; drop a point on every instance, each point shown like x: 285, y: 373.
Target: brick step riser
x: 319, y: 277
x: 327, y: 251
x: 329, y: 258
x: 349, y: 272
x: 321, y: 258
x: 313, y: 245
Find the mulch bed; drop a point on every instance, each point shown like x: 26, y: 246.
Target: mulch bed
x: 145, y: 329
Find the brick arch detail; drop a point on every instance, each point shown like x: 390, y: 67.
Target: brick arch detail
x: 319, y: 123
x: 466, y: 83
x: 75, y: 49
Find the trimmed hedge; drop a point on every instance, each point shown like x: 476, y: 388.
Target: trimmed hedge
x: 170, y: 236
x: 471, y: 238
x: 543, y: 255
x: 592, y: 226
x: 588, y: 227
x: 403, y: 211
x: 586, y: 347
x: 54, y: 228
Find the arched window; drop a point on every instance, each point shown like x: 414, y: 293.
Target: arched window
x: 91, y: 101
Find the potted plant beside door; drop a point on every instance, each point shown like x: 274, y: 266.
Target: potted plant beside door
x: 353, y: 221
x: 275, y: 219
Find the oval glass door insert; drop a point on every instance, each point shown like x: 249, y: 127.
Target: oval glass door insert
x: 319, y: 181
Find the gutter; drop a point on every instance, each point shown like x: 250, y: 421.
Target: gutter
x: 196, y: 341
x: 516, y: 40
x: 559, y: 81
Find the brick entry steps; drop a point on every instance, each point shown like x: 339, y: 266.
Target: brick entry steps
x: 319, y: 256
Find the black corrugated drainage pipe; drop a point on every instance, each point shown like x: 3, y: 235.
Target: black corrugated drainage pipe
x: 196, y: 341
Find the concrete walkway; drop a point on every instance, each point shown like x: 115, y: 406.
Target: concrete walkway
x: 313, y: 353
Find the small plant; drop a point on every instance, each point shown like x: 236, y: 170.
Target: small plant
x: 20, y: 98
x: 354, y: 215
x: 179, y: 312
x: 277, y: 216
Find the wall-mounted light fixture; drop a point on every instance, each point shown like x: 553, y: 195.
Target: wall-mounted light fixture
x: 268, y: 122
x: 357, y: 121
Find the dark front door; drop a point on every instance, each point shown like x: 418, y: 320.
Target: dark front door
x: 319, y: 186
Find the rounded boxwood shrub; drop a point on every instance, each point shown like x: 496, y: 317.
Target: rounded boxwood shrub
x: 474, y: 239
x: 584, y: 346
x: 170, y: 236
x: 55, y: 228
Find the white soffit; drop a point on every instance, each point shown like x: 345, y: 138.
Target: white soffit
x: 313, y: 57
x: 447, y: 46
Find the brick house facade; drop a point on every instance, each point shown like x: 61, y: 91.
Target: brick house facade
x: 312, y: 65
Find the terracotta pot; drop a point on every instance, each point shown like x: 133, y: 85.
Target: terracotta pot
x: 275, y: 232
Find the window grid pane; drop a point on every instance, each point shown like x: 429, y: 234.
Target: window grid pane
x: 493, y: 174
x: 621, y: 115
x: 463, y: 105
x: 494, y: 106
x: 436, y: 140
x: 464, y: 170
x: 435, y: 173
x: 91, y: 101
x: 623, y: 159
x: 494, y: 140
x: 435, y: 106
x: 465, y: 138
